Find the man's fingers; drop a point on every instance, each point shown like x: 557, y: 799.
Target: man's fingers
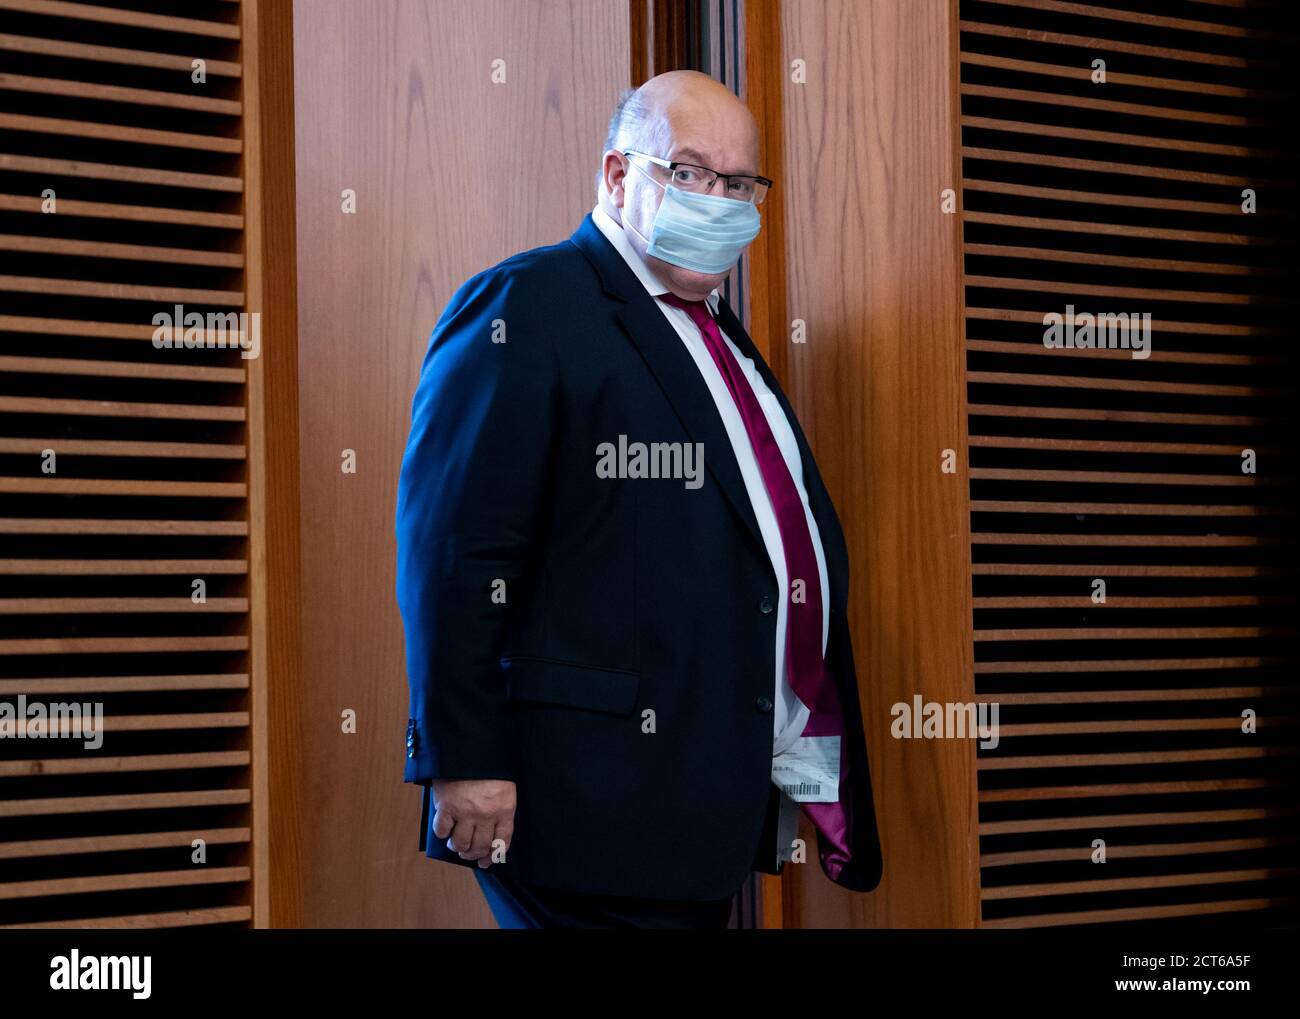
x: 481, y: 844
x: 443, y: 823
x: 470, y: 825
x: 461, y: 836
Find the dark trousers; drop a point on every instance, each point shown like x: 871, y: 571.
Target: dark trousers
x: 520, y: 906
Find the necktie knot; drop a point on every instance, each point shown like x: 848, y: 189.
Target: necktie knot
x: 698, y: 310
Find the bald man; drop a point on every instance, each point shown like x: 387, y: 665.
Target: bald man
x: 622, y: 581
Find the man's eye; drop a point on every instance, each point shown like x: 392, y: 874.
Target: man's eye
x: 744, y: 188
x: 685, y: 176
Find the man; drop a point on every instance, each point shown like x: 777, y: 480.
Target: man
x: 622, y: 580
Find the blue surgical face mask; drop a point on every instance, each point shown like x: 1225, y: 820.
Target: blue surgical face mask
x: 696, y: 231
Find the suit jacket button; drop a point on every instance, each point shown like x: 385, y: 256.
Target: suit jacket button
x: 765, y: 605
x: 764, y: 705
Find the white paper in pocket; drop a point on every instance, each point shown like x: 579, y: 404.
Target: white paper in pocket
x: 809, y: 772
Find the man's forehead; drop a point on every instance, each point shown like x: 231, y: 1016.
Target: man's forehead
x: 719, y: 136
x: 688, y: 153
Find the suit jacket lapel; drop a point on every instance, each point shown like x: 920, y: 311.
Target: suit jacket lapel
x: 674, y: 370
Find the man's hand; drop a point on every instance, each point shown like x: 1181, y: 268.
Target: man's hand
x: 472, y: 814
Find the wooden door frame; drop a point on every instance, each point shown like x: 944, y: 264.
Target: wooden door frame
x: 275, y: 629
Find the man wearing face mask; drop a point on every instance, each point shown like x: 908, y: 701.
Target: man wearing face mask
x: 627, y: 683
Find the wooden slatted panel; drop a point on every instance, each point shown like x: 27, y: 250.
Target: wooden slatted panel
x: 1121, y: 722
x: 147, y: 490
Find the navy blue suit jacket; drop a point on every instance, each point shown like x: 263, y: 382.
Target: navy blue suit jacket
x: 625, y: 681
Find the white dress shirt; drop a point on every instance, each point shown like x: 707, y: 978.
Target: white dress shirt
x: 790, y: 713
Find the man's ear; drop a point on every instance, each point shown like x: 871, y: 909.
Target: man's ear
x: 614, y: 172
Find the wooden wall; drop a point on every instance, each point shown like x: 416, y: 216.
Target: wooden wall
x: 872, y: 267
x: 452, y: 173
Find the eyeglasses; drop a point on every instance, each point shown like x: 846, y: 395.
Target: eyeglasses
x: 689, y: 177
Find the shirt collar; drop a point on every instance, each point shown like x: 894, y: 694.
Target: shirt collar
x: 614, y: 234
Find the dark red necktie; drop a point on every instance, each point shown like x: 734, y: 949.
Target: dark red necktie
x: 805, y: 665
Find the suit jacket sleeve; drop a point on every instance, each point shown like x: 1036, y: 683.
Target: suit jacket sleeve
x: 472, y: 479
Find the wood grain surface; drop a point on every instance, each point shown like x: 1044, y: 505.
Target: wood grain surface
x: 873, y: 269
x: 452, y: 173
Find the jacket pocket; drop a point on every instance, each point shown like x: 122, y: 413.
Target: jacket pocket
x: 575, y: 686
